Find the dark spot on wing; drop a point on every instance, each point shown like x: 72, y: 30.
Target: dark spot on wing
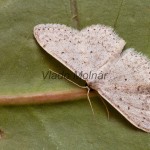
x: 44, y: 45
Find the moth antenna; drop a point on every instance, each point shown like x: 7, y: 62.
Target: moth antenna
x: 88, y: 97
x: 83, y: 87
x: 106, y: 109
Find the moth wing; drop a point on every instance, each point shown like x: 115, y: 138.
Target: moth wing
x: 127, y: 87
x: 79, y: 51
x: 102, y: 45
x: 56, y: 40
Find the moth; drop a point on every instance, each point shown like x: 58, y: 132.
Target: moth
x: 98, y: 49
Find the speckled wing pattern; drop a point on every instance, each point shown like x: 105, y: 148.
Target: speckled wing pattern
x: 74, y: 48
x: 99, y: 49
x: 127, y: 87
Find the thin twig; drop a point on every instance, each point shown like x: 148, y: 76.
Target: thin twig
x: 74, y: 12
x: 119, y: 11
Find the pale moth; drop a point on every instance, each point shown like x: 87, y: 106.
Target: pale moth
x: 99, y: 49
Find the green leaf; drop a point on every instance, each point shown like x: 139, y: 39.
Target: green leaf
x: 65, y: 125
